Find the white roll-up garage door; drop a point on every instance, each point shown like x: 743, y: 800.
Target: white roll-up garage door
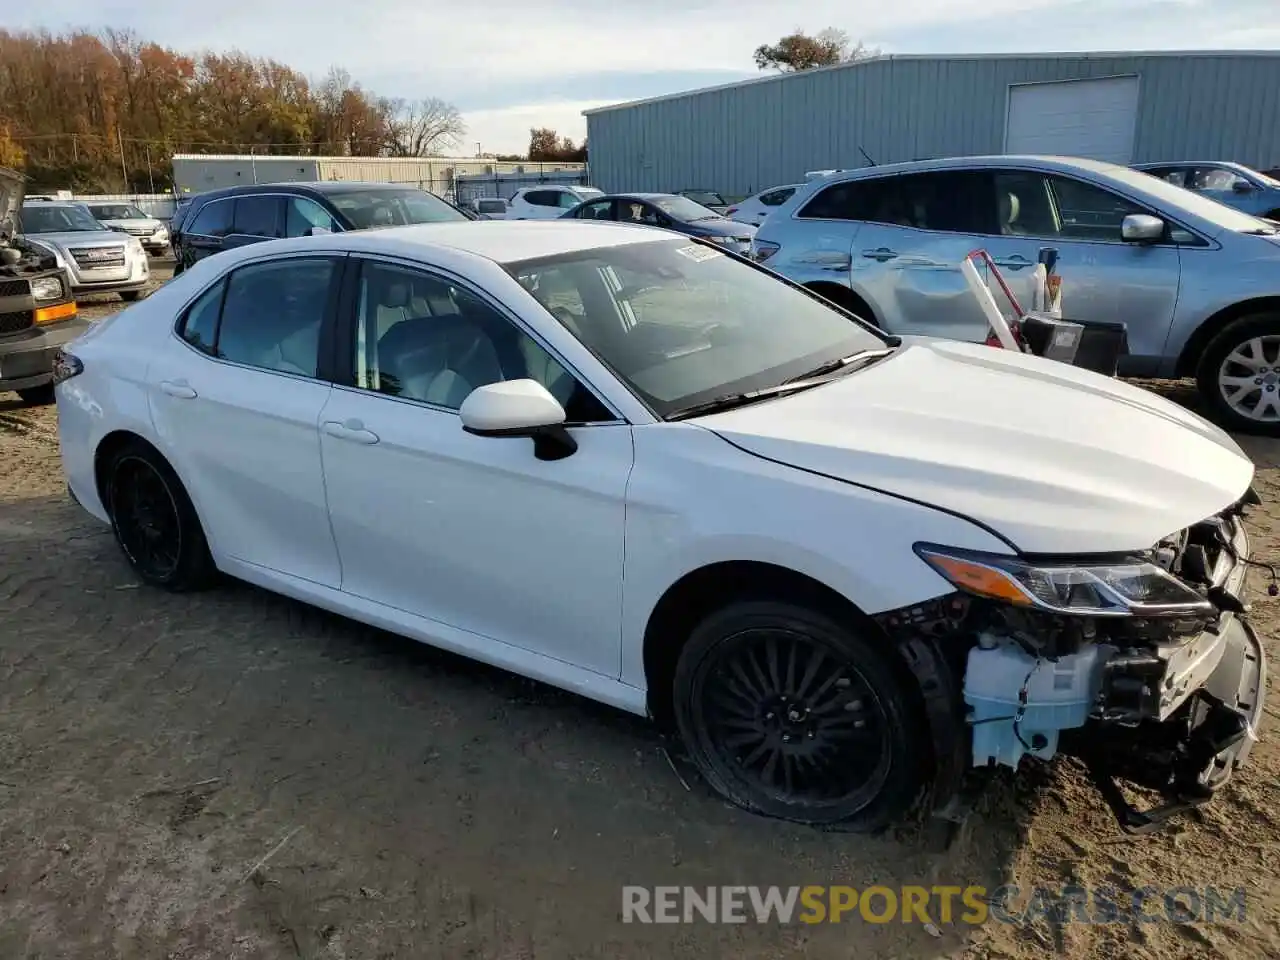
x: 1074, y: 118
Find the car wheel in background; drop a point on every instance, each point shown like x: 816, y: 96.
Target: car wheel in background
x: 37, y: 396
x: 790, y: 714
x: 129, y: 296
x: 1239, y: 375
x: 154, y: 521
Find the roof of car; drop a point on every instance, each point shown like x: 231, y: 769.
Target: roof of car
x: 326, y: 187
x: 498, y: 240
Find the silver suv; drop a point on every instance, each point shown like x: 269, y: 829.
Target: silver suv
x: 97, y: 259
x: 1197, y: 283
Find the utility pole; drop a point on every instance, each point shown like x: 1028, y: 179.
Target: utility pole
x: 151, y: 175
x: 124, y: 170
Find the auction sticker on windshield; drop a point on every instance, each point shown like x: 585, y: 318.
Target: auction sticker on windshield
x: 697, y: 252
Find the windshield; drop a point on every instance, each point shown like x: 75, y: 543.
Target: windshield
x: 705, y: 197
x: 1228, y: 218
x: 368, y: 209
x: 1266, y: 180
x: 40, y: 218
x: 682, y: 323
x: 682, y: 208
x: 117, y: 211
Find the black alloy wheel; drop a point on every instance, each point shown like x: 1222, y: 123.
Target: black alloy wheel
x: 790, y: 714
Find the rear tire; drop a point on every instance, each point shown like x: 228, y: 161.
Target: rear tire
x: 791, y: 714
x: 129, y: 296
x: 154, y: 521
x: 37, y: 396
x: 1239, y: 375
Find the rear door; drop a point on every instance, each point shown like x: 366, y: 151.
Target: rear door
x: 917, y: 230
x: 236, y: 398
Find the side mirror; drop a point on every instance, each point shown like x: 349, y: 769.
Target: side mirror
x: 519, y: 408
x: 1141, y: 228
x: 319, y: 231
x: 1242, y: 186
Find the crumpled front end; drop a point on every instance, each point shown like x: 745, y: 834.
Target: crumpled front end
x: 1157, y: 680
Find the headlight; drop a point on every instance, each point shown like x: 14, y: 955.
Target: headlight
x: 134, y: 244
x: 46, y: 288
x: 1131, y: 588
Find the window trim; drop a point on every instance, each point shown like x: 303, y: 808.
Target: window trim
x: 285, y: 194
x: 344, y: 329
x: 231, y: 220
x: 284, y: 222
x: 325, y: 345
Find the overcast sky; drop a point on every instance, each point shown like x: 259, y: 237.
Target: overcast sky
x: 511, y: 65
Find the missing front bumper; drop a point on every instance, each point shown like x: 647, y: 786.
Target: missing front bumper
x: 1189, y: 756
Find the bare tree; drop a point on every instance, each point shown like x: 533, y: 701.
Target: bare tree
x: 424, y: 128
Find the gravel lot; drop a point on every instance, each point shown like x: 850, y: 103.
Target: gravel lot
x: 154, y: 749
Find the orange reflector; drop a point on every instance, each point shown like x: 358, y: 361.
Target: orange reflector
x: 50, y: 314
x: 981, y: 580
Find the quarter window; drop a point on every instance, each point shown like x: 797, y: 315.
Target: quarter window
x: 273, y: 312
x: 422, y: 338
x: 542, y: 198
x: 212, y: 221
x: 200, y: 325
x: 776, y: 198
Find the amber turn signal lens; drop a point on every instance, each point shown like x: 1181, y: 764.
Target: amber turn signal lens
x: 981, y: 579
x: 62, y: 311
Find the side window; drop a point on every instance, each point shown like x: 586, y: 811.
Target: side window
x: 950, y: 201
x: 1024, y: 206
x: 569, y: 200
x: 595, y: 211
x: 257, y: 216
x: 273, y: 312
x: 303, y: 214
x: 776, y: 198
x: 1214, y: 180
x: 541, y: 198
x: 214, y: 220
x: 1087, y: 212
x: 422, y: 338
x: 200, y: 325
x: 633, y: 211
x: 1174, y: 175
x: 845, y: 201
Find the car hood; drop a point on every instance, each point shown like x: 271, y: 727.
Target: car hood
x: 150, y: 223
x: 12, y: 191
x: 1055, y: 459
x: 80, y: 238
x: 721, y: 227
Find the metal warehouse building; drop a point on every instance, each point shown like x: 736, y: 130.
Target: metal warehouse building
x: 195, y: 173
x: 1122, y: 107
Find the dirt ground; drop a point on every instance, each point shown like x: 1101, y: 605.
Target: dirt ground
x: 155, y: 749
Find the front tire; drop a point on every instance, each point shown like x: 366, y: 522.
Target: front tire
x: 154, y: 521
x: 129, y: 296
x: 40, y: 396
x: 1239, y: 375
x: 791, y: 714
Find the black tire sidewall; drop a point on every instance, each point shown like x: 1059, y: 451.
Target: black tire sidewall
x: 1215, y: 352
x: 195, y: 566
x: 909, y: 745
x: 38, y: 396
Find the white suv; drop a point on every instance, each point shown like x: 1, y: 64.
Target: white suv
x: 548, y: 201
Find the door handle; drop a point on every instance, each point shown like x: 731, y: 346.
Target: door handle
x: 352, y: 430
x: 175, y: 388
x: 881, y: 253
x: 1015, y: 262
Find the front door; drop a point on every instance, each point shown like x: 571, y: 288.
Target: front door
x: 237, y: 403
x: 1103, y: 277
x: 473, y: 532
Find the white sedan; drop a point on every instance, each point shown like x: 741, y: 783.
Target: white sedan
x: 845, y: 567
x: 754, y: 209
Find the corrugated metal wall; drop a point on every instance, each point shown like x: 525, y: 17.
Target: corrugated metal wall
x: 744, y: 138
x: 197, y: 174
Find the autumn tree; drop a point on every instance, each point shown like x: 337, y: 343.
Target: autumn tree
x: 105, y: 112
x: 546, y: 145
x: 798, y: 51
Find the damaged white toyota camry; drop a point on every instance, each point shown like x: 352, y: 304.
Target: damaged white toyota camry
x: 851, y: 570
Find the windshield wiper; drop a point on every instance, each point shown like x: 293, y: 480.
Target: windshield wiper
x: 861, y: 358
x: 731, y: 400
